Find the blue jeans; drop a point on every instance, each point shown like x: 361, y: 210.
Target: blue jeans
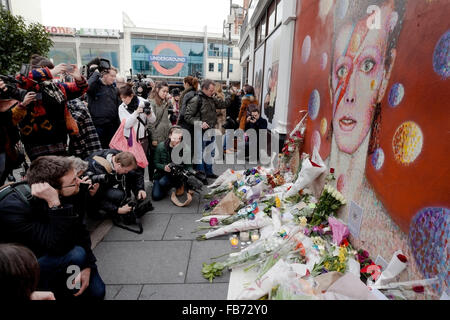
x: 204, y: 167
x: 161, y: 187
x: 54, y: 275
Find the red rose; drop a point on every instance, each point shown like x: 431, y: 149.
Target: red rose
x: 331, y: 170
x: 402, y: 258
x: 419, y: 289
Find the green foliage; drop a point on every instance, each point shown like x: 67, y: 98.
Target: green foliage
x: 210, y: 271
x: 20, y: 41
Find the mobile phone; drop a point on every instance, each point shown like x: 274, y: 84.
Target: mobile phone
x: 69, y: 68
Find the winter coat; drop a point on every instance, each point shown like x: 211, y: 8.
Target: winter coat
x: 203, y: 108
x: 160, y: 128
x: 243, y: 113
x: 43, y: 230
x: 162, y: 158
x: 132, y: 121
x: 103, y: 101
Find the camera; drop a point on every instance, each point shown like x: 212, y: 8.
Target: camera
x: 141, y: 207
x: 147, y: 108
x: 141, y: 87
x: 192, y: 180
x: 97, y: 178
x: 97, y: 63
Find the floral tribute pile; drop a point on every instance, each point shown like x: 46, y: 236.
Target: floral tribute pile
x: 302, y: 250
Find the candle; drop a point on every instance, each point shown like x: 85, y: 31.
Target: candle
x: 234, y: 241
x: 245, y: 236
x: 255, y: 236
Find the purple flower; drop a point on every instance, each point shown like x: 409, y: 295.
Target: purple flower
x: 307, y: 232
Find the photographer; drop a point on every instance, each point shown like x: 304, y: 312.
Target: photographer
x: 103, y: 101
x: 36, y: 214
x: 46, y: 121
x: 254, y: 121
x: 164, y: 179
x: 110, y: 168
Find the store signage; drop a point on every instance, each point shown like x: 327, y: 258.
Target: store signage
x: 83, y: 31
x: 60, y: 30
x: 99, y: 32
x: 179, y: 59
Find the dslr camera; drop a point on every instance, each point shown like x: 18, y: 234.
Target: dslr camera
x: 141, y: 87
x: 98, y: 178
x: 191, y: 179
x: 12, y: 91
x: 147, y: 108
x: 103, y: 65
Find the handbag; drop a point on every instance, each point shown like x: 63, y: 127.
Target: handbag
x: 130, y: 144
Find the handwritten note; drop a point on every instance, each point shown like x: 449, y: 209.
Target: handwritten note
x: 355, y: 215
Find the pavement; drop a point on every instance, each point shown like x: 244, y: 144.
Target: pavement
x: 165, y: 262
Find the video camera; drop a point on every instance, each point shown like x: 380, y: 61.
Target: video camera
x: 139, y: 208
x: 191, y: 179
x: 141, y: 87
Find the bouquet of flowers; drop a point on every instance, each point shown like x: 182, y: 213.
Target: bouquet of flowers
x: 330, y: 201
x: 335, y: 259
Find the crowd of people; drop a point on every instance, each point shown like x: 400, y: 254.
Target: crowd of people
x: 64, y: 124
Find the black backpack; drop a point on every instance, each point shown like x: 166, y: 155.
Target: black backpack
x: 22, y: 189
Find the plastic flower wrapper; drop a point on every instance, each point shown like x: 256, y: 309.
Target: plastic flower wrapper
x: 395, y: 267
x: 311, y: 170
x: 339, y: 229
x: 293, y: 290
x: 410, y: 290
x: 248, y: 212
x: 330, y: 201
x: 335, y: 259
x: 229, y: 176
x: 260, y: 221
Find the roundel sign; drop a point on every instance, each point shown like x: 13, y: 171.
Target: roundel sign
x: 179, y: 59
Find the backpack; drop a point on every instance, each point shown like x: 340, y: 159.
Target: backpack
x: 22, y: 189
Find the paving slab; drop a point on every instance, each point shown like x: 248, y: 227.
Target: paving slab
x: 181, y: 227
x: 167, y: 206
x: 202, y: 252
x: 123, y: 292
x: 214, y: 291
x: 154, y: 225
x: 143, y: 262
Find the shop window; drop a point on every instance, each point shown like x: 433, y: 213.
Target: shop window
x: 211, y: 67
x: 271, y: 15
x: 279, y: 12
x: 220, y: 67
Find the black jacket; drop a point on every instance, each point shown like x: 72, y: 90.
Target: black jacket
x: 134, y: 180
x: 103, y: 101
x: 45, y: 231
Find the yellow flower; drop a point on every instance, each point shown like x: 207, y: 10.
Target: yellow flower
x: 303, y: 221
x: 278, y: 202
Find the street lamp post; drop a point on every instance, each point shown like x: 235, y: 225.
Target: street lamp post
x: 223, y: 36
x: 229, y: 44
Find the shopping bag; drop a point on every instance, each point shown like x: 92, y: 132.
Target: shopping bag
x: 120, y: 142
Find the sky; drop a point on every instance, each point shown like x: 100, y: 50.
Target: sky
x: 190, y: 15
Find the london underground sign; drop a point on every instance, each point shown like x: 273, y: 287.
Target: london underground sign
x: 179, y: 59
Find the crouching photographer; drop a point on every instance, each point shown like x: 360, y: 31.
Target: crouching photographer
x: 114, y: 175
x: 37, y: 214
x: 169, y: 175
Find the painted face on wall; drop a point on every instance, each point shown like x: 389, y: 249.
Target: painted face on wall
x: 359, y: 77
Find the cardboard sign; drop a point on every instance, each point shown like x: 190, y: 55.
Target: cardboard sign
x: 355, y: 215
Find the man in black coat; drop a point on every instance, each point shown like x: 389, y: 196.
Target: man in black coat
x: 35, y: 214
x: 121, y: 177
x: 103, y: 104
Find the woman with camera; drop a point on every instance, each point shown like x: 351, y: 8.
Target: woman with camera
x: 159, y: 129
x: 137, y: 114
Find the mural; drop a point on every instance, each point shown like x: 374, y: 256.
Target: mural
x: 373, y: 75
x: 258, y: 72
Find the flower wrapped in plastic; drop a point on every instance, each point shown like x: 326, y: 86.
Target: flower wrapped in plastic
x: 329, y: 203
